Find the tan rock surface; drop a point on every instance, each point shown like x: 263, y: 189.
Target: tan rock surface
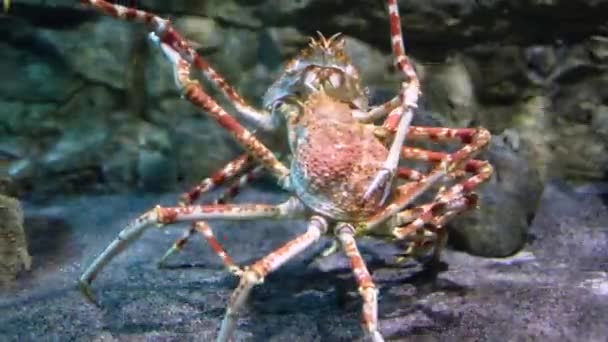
x: 14, y: 256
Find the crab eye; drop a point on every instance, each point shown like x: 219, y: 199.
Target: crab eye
x: 276, y: 105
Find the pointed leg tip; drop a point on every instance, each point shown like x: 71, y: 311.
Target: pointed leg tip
x: 327, y: 253
x: 402, y: 259
x: 376, y: 337
x: 87, y: 291
x: 162, y: 263
x: 331, y: 249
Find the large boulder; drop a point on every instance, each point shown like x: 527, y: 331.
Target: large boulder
x: 14, y: 255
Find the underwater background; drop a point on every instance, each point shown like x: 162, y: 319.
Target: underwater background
x: 94, y: 132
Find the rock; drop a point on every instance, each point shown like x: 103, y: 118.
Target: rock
x: 119, y: 166
x: 564, y: 214
x: 14, y: 256
x: 279, y: 44
x: 156, y: 166
x: 76, y: 149
x: 541, y: 60
x: 501, y: 74
x: 33, y: 77
x: 499, y: 228
x: 448, y: 89
x: 531, y: 118
x: 599, y: 48
x: 105, y: 66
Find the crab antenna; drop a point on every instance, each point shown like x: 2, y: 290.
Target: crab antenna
x: 322, y: 38
x: 334, y: 37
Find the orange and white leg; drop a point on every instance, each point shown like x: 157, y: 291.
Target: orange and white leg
x: 232, y: 169
x: 367, y: 289
x: 478, y: 137
x: 475, y: 141
x: 218, y: 178
x: 167, y: 215
x: 256, y: 273
x: 419, y: 224
x: 235, y: 188
x: 423, y: 226
x: 166, y: 33
x: 194, y: 93
x: 205, y: 229
x: 411, y: 88
x: 425, y: 223
x: 399, y: 118
x: 409, y: 174
x: 408, y: 97
x: 481, y: 172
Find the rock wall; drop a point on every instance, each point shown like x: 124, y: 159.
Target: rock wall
x: 86, y: 104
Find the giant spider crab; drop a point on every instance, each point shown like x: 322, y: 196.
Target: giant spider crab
x: 342, y: 164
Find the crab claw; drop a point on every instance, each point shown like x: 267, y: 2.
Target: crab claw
x: 87, y: 291
x: 382, y: 182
